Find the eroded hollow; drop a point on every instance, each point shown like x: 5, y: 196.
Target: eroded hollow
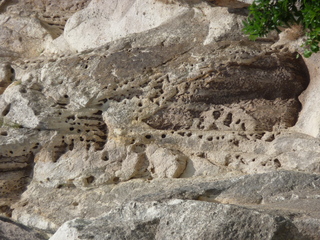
x: 261, y: 95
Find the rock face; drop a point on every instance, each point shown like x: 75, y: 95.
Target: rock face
x: 208, y: 215
x: 155, y: 120
x: 309, y: 121
x: 171, y: 220
x: 10, y: 230
x: 28, y: 26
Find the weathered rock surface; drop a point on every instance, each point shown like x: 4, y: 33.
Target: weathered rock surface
x: 170, y: 220
x: 309, y: 121
x: 108, y: 20
x: 29, y: 26
x: 152, y: 112
x: 10, y: 230
x: 170, y: 213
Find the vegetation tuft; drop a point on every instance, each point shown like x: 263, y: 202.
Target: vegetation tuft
x: 268, y: 15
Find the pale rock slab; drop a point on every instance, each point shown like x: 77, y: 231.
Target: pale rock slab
x: 24, y: 36
x: 10, y: 230
x: 270, y: 206
x: 108, y: 20
x: 165, y: 163
x: 309, y: 120
x: 171, y: 220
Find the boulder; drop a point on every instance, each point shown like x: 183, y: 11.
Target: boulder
x: 10, y: 230
x: 263, y: 206
x: 172, y: 114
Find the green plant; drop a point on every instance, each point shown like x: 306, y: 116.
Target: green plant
x: 268, y: 15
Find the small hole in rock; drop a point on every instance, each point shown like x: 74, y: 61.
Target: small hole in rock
x: 23, y: 90
x: 6, y: 110
x: 216, y: 114
x: 90, y: 179
x: 163, y: 136
x: 277, y: 163
x: 98, y: 113
x: 148, y: 136
x: 105, y: 158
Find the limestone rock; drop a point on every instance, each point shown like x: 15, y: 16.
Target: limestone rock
x: 171, y: 220
x: 108, y: 20
x: 6, y: 76
x: 10, y: 230
x: 18, y: 148
x: 177, y: 104
x: 27, y: 27
x: 289, y: 194
x: 53, y: 14
x: 309, y: 121
x: 22, y: 35
x: 199, y: 108
x: 269, y: 211
x: 161, y: 103
x: 165, y: 162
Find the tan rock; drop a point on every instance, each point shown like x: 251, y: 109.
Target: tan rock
x: 165, y: 163
x: 23, y: 35
x: 178, y: 98
x: 6, y: 76
x: 309, y: 121
x: 106, y: 23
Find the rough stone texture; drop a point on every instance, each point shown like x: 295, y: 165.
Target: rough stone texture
x: 309, y: 121
x: 28, y: 26
x: 107, y: 20
x: 103, y: 109
x: 154, y: 216
x: 165, y: 162
x: 164, y: 112
x: 10, y: 230
x: 16, y: 161
x: 22, y: 35
x: 53, y: 13
x: 6, y: 76
x: 170, y: 220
